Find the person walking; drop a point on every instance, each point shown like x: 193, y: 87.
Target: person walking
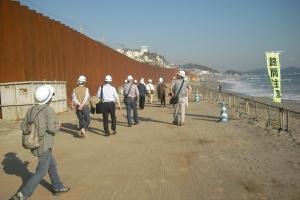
x: 150, y: 91
x: 181, y: 88
x: 131, y: 93
x: 143, y: 92
x: 109, y: 97
x: 80, y: 97
x: 42, y: 114
x: 161, y: 90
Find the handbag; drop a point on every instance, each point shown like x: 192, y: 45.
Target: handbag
x: 175, y: 99
x: 100, y: 106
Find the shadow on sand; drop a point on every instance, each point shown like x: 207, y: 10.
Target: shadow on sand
x: 12, y: 165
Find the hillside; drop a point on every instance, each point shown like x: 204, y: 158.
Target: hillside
x: 197, y: 66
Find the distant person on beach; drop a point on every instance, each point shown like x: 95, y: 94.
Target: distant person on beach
x: 161, y: 91
x: 183, y: 89
x: 80, y: 98
x: 131, y: 93
x: 109, y: 97
x: 42, y: 114
x: 143, y: 92
x: 150, y: 91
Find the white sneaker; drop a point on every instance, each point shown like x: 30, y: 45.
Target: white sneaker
x: 18, y: 196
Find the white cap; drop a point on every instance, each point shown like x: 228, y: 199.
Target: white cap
x: 161, y: 80
x: 135, y: 81
x: 43, y: 94
x: 81, y: 79
x: 150, y: 81
x: 181, y: 73
x: 108, y: 78
x: 129, y: 78
x: 125, y: 81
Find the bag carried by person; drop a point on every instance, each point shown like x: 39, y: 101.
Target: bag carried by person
x: 30, y: 137
x: 126, y: 98
x: 175, y: 99
x: 100, y: 106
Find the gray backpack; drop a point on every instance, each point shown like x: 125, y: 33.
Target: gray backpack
x: 30, y: 137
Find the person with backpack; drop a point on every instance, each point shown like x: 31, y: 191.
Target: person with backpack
x: 180, y: 89
x: 131, y: 93
x: 150, y: 91
x: 80, y: 98
x: 40, y: 123
x: 108, y: 95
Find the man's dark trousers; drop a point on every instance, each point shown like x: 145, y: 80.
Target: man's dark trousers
x: 109, y: 108
x: 142, y: 102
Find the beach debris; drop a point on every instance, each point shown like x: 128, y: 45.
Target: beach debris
x: 223, y: 115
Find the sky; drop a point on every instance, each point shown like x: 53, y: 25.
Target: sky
x: 222, y: 34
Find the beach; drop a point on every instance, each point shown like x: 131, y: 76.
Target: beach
x: 203, y: 159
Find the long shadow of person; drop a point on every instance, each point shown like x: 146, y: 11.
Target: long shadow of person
x: 13, y: 165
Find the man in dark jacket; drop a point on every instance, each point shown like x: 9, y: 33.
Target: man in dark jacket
x: 47, y: 127
x: 143, y: 92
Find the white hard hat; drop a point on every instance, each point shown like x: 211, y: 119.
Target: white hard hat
x: 142, y: 81
x: 150, y: 81
x: 129, y: 78
x: 81, y: 79
x: 126, y: 81
x: 135, y: 81
x: 160, y: 79
x: 181, y: 73
x: 108, y: 78
x: 43, y: 94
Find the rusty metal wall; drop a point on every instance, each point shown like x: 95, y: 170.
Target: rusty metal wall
x: 34, y: 47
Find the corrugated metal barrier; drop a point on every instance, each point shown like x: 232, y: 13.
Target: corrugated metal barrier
x: 36, y: 48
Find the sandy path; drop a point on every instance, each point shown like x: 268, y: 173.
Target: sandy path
x: 203, y: 159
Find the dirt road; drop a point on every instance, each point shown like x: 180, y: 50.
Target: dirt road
x: 156, y: 160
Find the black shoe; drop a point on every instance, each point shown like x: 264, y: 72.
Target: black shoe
x: 179, y: 123
x: 129, y: 125
x: 61, y: 191
x: 114, y: 132
x: 174, y: 122
x: 106, y: 133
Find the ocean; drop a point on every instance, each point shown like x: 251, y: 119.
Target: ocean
x: 259, y: 85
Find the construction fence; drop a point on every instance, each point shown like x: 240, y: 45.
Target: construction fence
x: 34, y: 47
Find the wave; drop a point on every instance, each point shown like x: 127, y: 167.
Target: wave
x: 260, y: 87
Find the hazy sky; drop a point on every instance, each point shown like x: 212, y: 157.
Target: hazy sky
x: 223, y: 34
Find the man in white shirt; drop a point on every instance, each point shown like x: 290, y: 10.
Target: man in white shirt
x: 80, y: 99
x: 109, y: 97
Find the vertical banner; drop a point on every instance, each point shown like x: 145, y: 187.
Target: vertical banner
x: 273, y: 65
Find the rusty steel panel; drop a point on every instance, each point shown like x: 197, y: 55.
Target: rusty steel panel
x: 34, y: 47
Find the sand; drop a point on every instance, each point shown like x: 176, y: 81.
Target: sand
x: 203, y: 159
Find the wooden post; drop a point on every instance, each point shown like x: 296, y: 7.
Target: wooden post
x: 269, y: 116
x: 287, y: 120
x: 211, y: 96
x: 279, y: 120
x: 229, y: 103
x: 234, y: 101
x: 255, y: 114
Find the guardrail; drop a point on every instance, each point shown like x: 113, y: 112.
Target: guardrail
x: 275, y: 116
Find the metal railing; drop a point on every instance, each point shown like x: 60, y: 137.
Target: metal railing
x: 274, y: 116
